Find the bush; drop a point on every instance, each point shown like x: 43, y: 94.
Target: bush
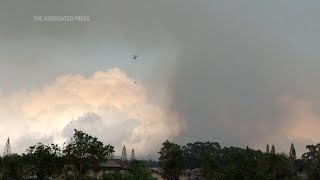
x: 115, y: 176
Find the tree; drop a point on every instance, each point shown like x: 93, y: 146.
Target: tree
x: 312, y: 161
x: 210, y: 168
x: 115, y: 176
x: 150, y: 163
x: 44, y: 160
x: 194, y: 153
x: 170, y: 160
x: 139, y: 171
x: 292, y: 153
x: 238, y: 163
x: 124, y: 154
x: 293, y: 158
x: 133, y: 156
x: 267, y: 150
x: 87, y: 152
x: 278, y: 166
x: 273, y: 150
x: 12, y: 167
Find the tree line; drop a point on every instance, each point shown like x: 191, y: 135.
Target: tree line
x: 233, y: 163
x: 83, y: 153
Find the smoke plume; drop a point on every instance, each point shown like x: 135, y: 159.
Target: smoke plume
x: 108, y: 105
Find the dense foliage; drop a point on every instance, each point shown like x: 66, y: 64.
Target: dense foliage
x: 171, y: 160
x: 138, y: 171
x: 311, y: 161
x: 232, y: 163
x: 12, y: 167
x: 43, y: 161
x: 81, y: 154
x: 84, y: 153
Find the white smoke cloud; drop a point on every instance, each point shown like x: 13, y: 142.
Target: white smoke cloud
x: 107, y: 104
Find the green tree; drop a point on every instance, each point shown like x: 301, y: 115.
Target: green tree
x: 170, y: 160
x: 150, y: 163
x: 86, y: 152
x: 273, y: 150
x: 240, y: 164
x: 194, y: 153
x: 210, y: 168
x: 267, y: 150
x: 279, y: 166
x: 12, y: 167
x: 293, y: 158
x: 44, y: 160
x: 139, y: 171
x: 124, y: 155
x: 115, y: 176
x: 312, y: 161
x: 292, y: 153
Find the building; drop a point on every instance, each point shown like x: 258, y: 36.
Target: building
x: 111, y: 166
x: 156, y: 174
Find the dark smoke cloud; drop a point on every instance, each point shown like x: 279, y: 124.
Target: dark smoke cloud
x: 238, y: 60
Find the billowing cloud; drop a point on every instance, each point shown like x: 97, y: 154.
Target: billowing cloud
x: 107, y: 104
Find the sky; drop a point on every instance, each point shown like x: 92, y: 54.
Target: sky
x: 242, y: 73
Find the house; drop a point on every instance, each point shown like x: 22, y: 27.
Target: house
x: 156, y: 174
x: 194, y: 174
x: 302, y: 175
x: 114, y: 165
x: 111, y: 166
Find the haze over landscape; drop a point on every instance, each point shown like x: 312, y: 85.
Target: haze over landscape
x: 239, y: 73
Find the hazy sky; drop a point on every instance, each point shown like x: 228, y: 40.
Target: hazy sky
x: 237, y: 72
